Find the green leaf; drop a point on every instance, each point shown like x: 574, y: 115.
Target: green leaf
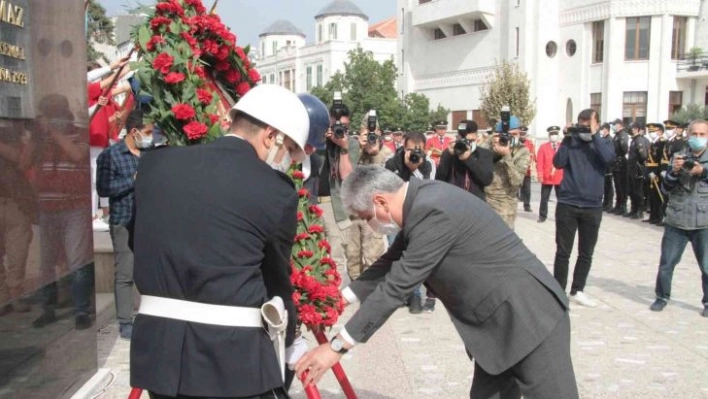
x: 143, y: 36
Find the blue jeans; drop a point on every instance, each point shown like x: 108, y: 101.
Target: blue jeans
x: 672, y: 246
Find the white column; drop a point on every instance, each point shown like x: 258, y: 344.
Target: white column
x: 666, y: 77
x: 656, y: 53
x: 614, y: 67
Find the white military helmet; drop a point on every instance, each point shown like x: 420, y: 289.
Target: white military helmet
x: 280, y: 108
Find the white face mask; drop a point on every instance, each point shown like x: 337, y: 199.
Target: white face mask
x: 284, y: 163
x: 143, y: 142
x: 389, y: 228
x: 553, y: 138
x: 652, y: 136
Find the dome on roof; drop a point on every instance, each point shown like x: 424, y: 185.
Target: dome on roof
x: 281, y: 27
x: 341, y: 7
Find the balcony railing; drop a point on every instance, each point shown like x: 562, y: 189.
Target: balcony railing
x: 692, y: 64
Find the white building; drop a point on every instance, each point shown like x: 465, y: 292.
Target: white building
x: 620, y: 57
x: 341, y: 26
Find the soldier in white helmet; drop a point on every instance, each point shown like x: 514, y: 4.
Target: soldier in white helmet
x: 214, y: 229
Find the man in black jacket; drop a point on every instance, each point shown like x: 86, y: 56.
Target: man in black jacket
x: 619, y: 168
x: 464, y: 164
x: 214, y: 229
x: 637, y: 156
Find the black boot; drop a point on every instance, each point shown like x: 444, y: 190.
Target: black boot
x: 639, y: 215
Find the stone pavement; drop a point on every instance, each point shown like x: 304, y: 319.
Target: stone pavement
x: 620, y: 349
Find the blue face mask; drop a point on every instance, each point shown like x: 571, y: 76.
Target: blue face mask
x: 697, y: 143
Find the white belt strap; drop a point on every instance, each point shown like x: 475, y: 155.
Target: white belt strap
x: 273, y: 312
x: 196, y: 312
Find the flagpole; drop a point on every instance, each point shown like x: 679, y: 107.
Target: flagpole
x: 110, y: 87
x: 213, y: 8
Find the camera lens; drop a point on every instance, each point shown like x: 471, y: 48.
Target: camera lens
x: 372, y: 138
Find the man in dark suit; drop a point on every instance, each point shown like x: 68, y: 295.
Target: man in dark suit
x: 509, y: 311
x: 214, y: 229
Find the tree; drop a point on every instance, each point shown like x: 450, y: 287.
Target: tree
x: 689, y: 113
x: 99, y: 29
x: 508, y: 86
x: 416, y: 112
x: 439, y: 114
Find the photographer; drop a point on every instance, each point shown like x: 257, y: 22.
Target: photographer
x: 464, y: 164
x: 686, y: 216
x: 363, y: 245
x: 584, y: 156
x: 342, y: 151
x: 637, y: 156
x: 511, y: 161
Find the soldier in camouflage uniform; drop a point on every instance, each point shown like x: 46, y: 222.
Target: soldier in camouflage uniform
x: 511, y: 161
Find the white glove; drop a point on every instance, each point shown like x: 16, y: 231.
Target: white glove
x: 652, y: 175
x: 663, y: 174
x: 294, y: 352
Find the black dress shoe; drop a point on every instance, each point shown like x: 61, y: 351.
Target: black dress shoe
x: 658, y: 305
x: 527, y: 209
x: 541, y: 220
x: 48, y: 317
x: 83, y: 322
x: 414, y: 306
x: 660, y: 224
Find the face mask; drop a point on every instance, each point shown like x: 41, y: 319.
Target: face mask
x: 652, y: 136
x: 614, y: 128
x: 554, y: 138
x: 587, y: 137
x: 143, y: 142
x: 522, y: 139
x: 697, y: 143
x: 388, y: 138
x: 473, y: 146
x: 390, y: 228
x: 669, y: 134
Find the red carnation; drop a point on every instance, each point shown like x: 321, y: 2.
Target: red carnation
x: 183, y: 111
x: 298, y: 175
x: 296, y: 297
x: 222, y: 54
x: 199, y: 71
x: 241, y: 54
x: 316, y: 210
x: 302, y: 236
x: 299, y: 216
x: 303, y: 193
x: 210, y: 46
x: 159, y: 21
x: 170, y: 6
x: 328, y: 261
x: 243, y: 88
x: 163, y: 63
x: 189, y: 39
x: 254, y: 75
x: 195, y: 130
x: 232, y: 76
x: 150, y: 46
x: 213, y: 118
x: 197, y: 4
x: 204, y: 96
x: 324, y: 244
x: 174, y: 77
x: 315, y: 228
x: 305, y: 254
x: 222, y: 66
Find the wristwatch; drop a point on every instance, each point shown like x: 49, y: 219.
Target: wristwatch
x: 343, y: 150
x: 337, y: 345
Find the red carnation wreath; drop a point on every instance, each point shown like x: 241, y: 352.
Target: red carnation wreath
x: 191, y: 66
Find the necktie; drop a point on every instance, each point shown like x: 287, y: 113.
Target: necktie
x: 554, y: 146
x: 442, y: 141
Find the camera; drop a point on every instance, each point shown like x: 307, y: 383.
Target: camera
x: 338, y: 129
x: 504, y: 136
x: 577, y: 129
x: 416, y: 155
x: 689, y: 161
x: 371, y: 137
x: 463, y: 144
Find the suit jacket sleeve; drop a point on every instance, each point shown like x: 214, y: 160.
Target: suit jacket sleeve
x: 430, y: 237
x: 481, y: 167
x: 365, y: 284
x: 276, y: 263
x: 443, y: 171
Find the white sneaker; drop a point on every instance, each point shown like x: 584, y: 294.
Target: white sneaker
x: 581, y: 299
x: 99, y: 225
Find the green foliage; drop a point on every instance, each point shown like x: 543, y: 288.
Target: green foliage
x: 690, y: 113
x: 439, y: 114
x: 415, y: 113
x: 100, y: 30
x: 508, y: 86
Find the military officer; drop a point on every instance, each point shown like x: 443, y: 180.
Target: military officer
x: 653, y: 172
x: 637, y: 156
x: 438, y: 142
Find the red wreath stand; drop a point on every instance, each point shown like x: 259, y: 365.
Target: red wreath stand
x: 310, y: 390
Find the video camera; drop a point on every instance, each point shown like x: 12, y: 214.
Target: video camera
x: 339, y: 130
x: 505, y: 136
x: 371, y: 137
x: 463, y: 144
x: 576, y: 129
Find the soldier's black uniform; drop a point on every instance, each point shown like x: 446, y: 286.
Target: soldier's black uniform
x: 653, y: 176
x: 619, y: 171
x: 609, y: 189
x: 638, y: 154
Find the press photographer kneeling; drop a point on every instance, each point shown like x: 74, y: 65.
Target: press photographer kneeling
x: 686, y: 214
x: 464, y: 164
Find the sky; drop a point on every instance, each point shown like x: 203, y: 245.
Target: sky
x: 248, y: 18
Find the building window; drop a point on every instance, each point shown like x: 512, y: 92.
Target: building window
x: 636, y: 45
x: 477, y: 117
x: 403, y: 20
x: 517, y: 42
x: 569, y: 111
x: 275, y: 47
x: 319, y: 33
x: 272, y: 78
x: 551, y: 49
x: 678, y: 40
x: 675, y: 101
x: 320, y: 75
x: 458, y: 30
x: 571, y: 47
x: 634, y: 107
x: 424, y: 1
x: 596, y: 103
x: 288, y: 43
x: 479, y: 25
x: 598, y: 41
x: 439, y: 34
x: 457, y: 117
x: 403, y: 59
x: 286, y: 79
x: 354, y: 31
x: 333, y: 31
x: 263, y: 54
x: 309, y: 78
